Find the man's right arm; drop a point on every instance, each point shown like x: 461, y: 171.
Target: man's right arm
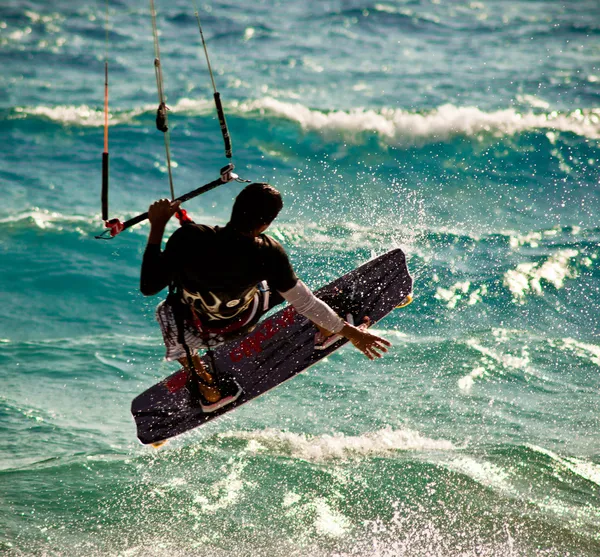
x: 156, y: 271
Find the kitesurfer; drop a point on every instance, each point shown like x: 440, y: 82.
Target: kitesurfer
x: 223, y: 279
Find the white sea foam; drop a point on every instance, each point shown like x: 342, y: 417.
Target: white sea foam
x: 348, y: 236
x: 459, y: 292
x: 86, y: 116
x: 496, y: 361
x: 326, y: 520
x: 224, y: 492
x: 196, y: 107
x: 506, y: 360
x: 49, y: 220
x: 534, y: 238
x: 393, y: 126
x: 329, y: 522
x: 42, y: 218
x: 338, y: 446
x: 411, y: 531
x: 52, y: 220
x: 533, y: 101
x: 82, y: 115
x: 92, y: 341
x: 466, y: 382
x: 116, y: 363
x: 583, y: 350
x: 337, y: 237
x: 583, y: 468
x: 484, y: 473
x: 400, y: 335
x: 528, y: 277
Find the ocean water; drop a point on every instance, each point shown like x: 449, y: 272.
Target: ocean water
x: 466, y: 133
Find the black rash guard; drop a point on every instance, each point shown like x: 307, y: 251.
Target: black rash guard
x: 204, y: 258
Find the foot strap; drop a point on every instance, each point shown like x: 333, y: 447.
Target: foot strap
x: 322, y: 342
x: 228, y: 387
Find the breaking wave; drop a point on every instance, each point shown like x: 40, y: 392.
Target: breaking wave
x: 402, y: 128
x: 395, y: 127
x: 337, y: 446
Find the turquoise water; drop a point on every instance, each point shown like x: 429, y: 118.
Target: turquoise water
x: 466, y: 133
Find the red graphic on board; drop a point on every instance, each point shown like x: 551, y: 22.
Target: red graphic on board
x: 178, y: 381
x: 252, y: 344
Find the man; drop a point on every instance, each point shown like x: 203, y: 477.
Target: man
x: 223, y: 279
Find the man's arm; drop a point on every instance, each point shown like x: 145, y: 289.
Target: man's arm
x: 156, y: 274
x: 307, y: 304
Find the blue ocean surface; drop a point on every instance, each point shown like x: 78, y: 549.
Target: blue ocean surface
x: 466, y: 133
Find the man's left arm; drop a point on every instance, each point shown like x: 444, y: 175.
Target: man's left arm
x: 321, y: 314
x: 296, y: 293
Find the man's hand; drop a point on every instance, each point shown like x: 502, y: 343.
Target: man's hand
x: 369, y: 344
x: 159, y: 214
x: 161, y: 211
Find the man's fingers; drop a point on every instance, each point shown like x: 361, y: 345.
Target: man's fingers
x: 363, y: 327
x: 377, y: 350
x: 381, y: 340
x: 372, y: 346
x: 372, y: 351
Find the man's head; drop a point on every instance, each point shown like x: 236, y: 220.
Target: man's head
x: 256, y: 206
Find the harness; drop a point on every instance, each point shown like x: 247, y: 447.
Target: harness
x: 236, y: 320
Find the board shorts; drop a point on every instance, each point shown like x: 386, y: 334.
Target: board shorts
x: 208, y: 337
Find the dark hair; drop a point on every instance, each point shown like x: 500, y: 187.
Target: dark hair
x: 256, y: 205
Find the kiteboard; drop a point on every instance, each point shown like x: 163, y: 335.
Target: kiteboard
x: 278, y: 348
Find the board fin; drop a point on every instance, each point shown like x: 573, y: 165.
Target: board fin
x: 407, y: 301
x: 158, y: 444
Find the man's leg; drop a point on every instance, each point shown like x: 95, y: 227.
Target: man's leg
x: 213, y: 396
x: 205, y: 380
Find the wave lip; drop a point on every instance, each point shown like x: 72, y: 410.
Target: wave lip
x: 402, y: 128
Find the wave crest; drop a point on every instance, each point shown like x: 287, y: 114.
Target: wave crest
x: 402, y: 128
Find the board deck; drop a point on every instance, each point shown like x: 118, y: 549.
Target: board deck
x: 279, y: 348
